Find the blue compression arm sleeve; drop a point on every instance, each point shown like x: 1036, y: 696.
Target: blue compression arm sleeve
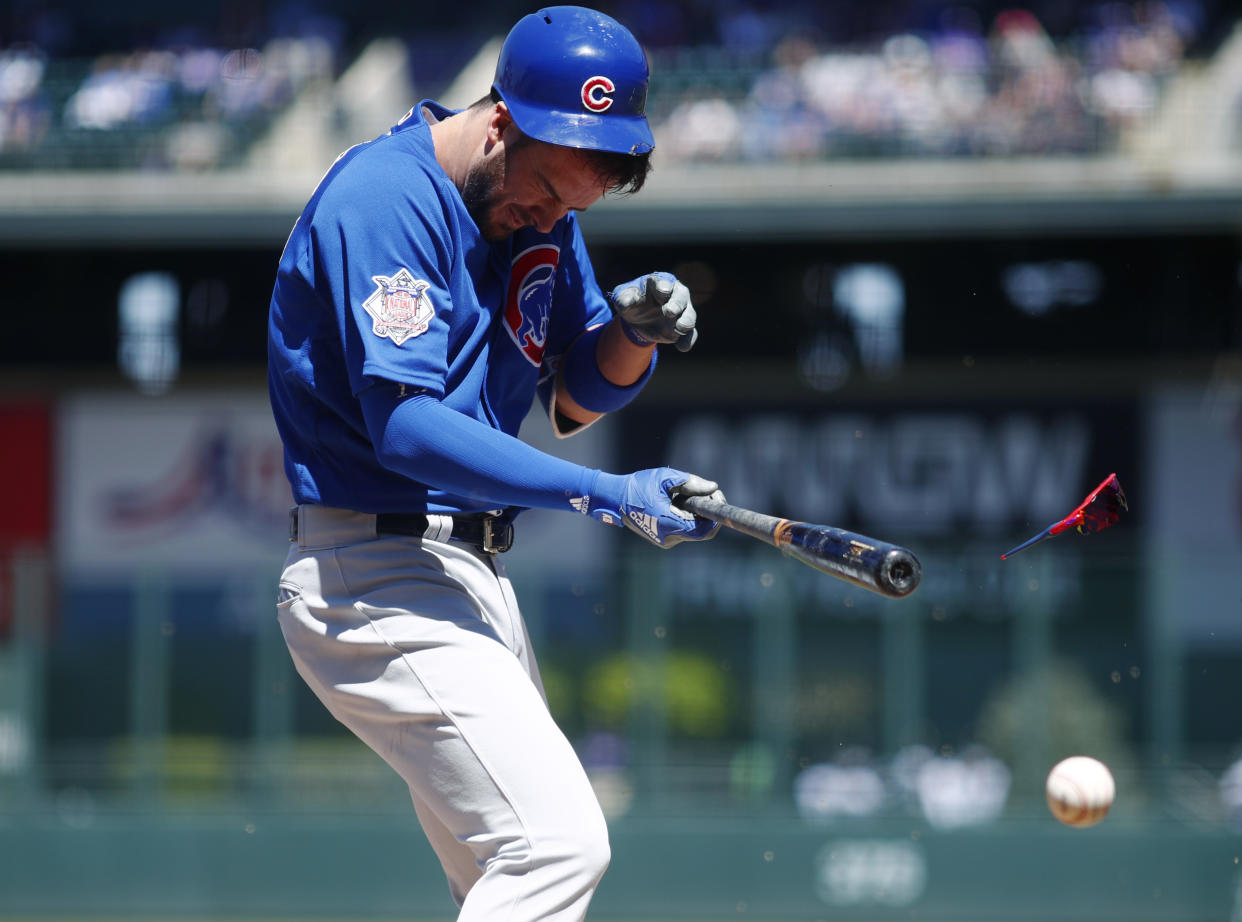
x: 587, y: 384
x: 420, y: 437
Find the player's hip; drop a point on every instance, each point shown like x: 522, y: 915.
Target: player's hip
x: 344, y: 581
x: 317, y: 526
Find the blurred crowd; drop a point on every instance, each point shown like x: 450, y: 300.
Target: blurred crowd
x: 961, y: 86
x: 185, y: 96
x: 189, y: 107
x: 734, y: 79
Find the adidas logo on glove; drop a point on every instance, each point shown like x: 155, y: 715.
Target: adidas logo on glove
x: 647, y: 523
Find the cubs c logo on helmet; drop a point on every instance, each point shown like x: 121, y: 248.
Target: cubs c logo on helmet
x: 595, y: 94
x: 529, y: 300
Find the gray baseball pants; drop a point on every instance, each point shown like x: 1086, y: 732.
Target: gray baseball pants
x: 418, y: 647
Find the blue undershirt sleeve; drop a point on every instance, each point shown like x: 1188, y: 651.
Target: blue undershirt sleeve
x: 421, y: 438
x: 587, y: 384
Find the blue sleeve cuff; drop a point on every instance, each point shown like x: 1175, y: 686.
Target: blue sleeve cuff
x: 586, y: 383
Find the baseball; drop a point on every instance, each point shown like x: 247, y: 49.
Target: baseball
x: 1080, y: 790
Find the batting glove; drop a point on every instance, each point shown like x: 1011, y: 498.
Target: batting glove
x: 643, y: 502
x: 656, y: 308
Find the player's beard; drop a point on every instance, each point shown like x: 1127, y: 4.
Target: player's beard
x: 481, y: 193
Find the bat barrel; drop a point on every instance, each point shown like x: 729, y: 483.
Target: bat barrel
x: 885, y: 568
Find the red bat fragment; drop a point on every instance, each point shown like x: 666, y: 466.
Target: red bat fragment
x: 1102, y: 507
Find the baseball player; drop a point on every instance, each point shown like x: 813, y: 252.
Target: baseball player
x: 436, y: 282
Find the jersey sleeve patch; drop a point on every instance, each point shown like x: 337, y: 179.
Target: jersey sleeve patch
x: 399, y: 306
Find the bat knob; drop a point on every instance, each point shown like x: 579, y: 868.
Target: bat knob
x: 900, y: 572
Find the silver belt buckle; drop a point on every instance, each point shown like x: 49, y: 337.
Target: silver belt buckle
x: 496, y: 539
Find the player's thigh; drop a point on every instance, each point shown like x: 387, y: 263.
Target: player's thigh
x: 461, y: 865
x: 486, y: 755
x: 349, y: 613
x: 489, y: 759
x: 411, y: 651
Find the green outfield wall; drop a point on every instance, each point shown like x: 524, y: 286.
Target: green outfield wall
x: 255, y: 866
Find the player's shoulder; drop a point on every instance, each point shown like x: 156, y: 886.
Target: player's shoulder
x: 395, y: 167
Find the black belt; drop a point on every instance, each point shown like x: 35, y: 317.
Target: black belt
x: 491, y: 534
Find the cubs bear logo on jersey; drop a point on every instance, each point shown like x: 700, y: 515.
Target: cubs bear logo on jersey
x: 529, y: 300
x: 399, y: 306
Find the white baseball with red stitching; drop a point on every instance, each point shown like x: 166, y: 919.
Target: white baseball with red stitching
x: 1080, y: 791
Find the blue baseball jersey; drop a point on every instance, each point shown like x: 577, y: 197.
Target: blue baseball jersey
x: 386, y: 277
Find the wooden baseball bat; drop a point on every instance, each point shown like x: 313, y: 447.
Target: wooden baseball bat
x: 876, y: 565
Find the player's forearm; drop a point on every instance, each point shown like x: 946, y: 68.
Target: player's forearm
x: 437, y: 446
x: 603, y: 371
x: 620, y: 360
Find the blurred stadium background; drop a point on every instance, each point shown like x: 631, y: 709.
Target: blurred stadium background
x: 955, y: 262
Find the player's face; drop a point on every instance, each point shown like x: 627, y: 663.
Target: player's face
x: 525, y: 183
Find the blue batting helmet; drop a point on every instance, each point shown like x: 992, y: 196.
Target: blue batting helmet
x: 577, y: 78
